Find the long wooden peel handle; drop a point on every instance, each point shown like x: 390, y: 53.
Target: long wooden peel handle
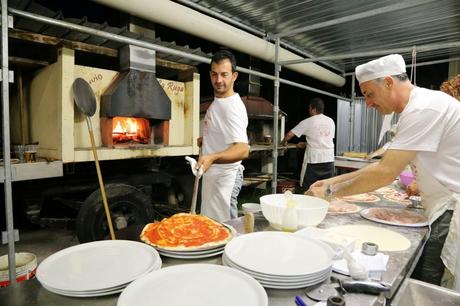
x: 99, y: 176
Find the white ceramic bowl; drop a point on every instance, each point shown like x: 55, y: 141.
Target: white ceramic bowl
x: 251, y: 207
x: 310, y: 210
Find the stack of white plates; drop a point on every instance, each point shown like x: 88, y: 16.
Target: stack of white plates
x: 192, y: 254
x: 97, y: 268
x: 202, y: 252
x: 280, y: 260
x: 194, y: 285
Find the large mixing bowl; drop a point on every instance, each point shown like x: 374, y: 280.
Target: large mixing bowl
x: 310, y: 210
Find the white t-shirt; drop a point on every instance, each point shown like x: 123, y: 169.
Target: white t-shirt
x: 319, y: 131
x: 430, y: 125
x: 225, y: 123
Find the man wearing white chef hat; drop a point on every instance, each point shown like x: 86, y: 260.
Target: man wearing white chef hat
x: 428, y: 133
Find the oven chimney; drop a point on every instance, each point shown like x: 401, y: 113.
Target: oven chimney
x: 136, y: 91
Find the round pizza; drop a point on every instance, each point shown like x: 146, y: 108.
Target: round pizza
x: 341, y: 207
x: 384, y: 190
x: 186, y: 232
x: 362, y: 198
x: 398, y: 196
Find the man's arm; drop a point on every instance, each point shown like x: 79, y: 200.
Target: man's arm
x: 235, y: 152
x: 366, y: 179
x: 286, y: 138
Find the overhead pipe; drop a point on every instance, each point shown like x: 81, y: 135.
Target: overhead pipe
x: 187, y: 20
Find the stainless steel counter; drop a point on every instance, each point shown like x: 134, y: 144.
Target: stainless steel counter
x: 399, y: 267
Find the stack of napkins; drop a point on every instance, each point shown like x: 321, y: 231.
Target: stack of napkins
x: 375, y: 264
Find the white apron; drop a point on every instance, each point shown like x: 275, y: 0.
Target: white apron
x: 437, y: 199
x: 216, y: 192
x: 304, y: 165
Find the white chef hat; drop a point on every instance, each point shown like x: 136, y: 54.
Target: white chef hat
x: 392, y: 64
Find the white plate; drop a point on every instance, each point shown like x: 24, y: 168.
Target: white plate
x: 204, y: 252
x: 283, y: 284
x: 101, y: 291
x: 293, y: 285
x: 283, y: 254
x: 280, y: 280
x: 85, y: 294
x: 97, y: 265
x: 194, y: 285
x: 367, y: 214
x: 270, y: 277
x: 191, y: 256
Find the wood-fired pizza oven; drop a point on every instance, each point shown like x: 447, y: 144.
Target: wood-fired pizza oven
x: 135, y: 110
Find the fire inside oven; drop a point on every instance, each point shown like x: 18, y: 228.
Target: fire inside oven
x: 129, y: 130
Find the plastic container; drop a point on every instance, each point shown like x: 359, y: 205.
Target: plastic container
x: 26, y: 266
x: 406, y: 177
x: 290, y: 220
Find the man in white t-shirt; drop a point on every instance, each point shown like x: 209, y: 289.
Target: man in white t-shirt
x: 224, y: 142
x: 428, y: 133
x: 319, y: 131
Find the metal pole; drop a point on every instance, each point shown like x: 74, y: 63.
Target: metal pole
x: 352, y: 113
x: 275, y: 118
x: 144, y: 44
x: 313, y: 89
x: 6, y: 147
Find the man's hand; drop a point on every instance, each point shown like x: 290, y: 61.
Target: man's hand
x: 199, y: 141
x: 319, y: 191
x: 301, y: 145
x: 206, y: 161
x: 320, y: 183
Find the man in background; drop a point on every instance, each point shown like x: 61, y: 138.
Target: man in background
x: 319, y: 131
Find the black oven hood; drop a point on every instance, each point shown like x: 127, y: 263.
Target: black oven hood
x: 136, y: 92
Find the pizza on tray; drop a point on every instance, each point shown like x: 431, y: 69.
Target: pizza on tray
x: 362, y: 198
x: 341, y: 207
x: 398, y: 196
x: 186, y: 232
x: 384, y: 190
x: 394, y: 216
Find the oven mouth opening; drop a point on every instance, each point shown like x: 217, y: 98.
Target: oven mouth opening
x: 130, y: 130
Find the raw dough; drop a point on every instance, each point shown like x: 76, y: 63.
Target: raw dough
x: 387, y: 240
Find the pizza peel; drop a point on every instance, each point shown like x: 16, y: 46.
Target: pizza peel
x: 86, y: 102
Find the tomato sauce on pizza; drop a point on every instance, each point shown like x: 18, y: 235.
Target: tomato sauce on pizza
x: 185, y: 232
